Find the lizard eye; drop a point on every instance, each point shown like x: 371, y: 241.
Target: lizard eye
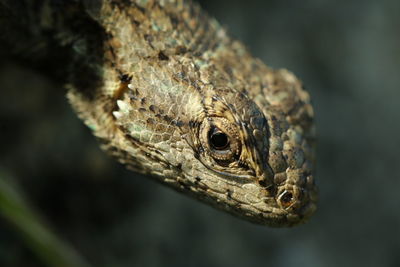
x: 220, y: 138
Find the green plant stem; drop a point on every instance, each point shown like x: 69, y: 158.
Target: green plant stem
x: 45, y: 244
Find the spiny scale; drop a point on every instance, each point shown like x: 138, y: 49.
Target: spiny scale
x: 170, y: 74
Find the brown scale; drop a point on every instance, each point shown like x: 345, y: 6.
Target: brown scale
x: 199, y: 113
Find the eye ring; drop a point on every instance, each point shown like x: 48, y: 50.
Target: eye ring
x: 220, y: 139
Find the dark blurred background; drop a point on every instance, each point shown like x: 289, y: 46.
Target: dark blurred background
x: 348, y: 55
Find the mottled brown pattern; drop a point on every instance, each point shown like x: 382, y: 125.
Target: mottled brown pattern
x: 167, y: 78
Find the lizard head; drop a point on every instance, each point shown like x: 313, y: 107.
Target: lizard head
x: 254, y: 157
x: 179, y: 100
x: 249, y: 153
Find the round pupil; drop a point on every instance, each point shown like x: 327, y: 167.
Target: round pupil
x: 219, y: 140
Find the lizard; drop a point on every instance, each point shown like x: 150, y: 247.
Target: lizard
x: 170, y: 94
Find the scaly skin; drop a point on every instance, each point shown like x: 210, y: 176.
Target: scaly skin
x: 171, y: 95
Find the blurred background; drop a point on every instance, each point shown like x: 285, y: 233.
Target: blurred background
x: 348, y: 55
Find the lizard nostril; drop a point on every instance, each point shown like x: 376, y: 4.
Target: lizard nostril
x: 286, y: 199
